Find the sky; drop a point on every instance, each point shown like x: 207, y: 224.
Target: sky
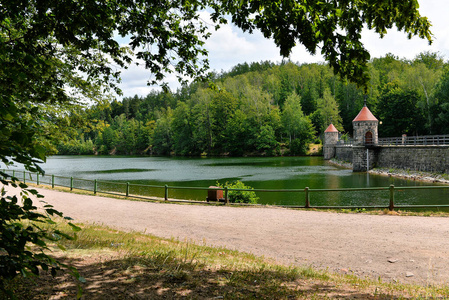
x: 229, y: 46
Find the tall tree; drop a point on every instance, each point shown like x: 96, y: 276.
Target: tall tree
x: 327, y: 112
x: 440, y: 104
x: 398, y: 111
x: 298, y: 127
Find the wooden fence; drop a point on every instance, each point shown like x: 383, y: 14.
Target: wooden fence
x: 123, y: 189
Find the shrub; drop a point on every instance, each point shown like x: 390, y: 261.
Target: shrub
x: 298, y: 147
x: 240, y: 196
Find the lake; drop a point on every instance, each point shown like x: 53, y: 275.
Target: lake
x: 257, y: 172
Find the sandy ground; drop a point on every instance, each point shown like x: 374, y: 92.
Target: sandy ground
x: 404, y: 249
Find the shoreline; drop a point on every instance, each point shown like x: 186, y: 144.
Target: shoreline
x: 400, y: 173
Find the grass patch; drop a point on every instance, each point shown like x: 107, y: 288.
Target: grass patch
x: 131, y: 265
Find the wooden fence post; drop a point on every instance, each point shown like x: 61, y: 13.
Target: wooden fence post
x: 306, y: 191
x: 166, y: 192
x: 226, y: 195
x: 391, y: 206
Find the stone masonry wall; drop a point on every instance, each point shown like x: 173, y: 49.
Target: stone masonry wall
x: 360, y: 155
x: 328, y: 152
x: 343, y: 153
x: 417, y: 158
x: 330, y: 140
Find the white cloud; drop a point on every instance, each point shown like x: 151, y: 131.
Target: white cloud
x: 135, y: 78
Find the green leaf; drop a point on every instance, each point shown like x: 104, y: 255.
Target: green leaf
x: 74, y: 227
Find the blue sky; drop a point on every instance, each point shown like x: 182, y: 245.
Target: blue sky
x: 229, y: 46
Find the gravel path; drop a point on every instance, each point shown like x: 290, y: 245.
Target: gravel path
x: 406, y: 249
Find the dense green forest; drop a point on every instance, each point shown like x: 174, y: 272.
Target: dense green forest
x: 261, y: 108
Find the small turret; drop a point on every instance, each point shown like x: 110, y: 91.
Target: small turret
x: 330, y: 140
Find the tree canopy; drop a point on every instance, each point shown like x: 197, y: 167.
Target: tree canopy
x: 335, y: 27
x: 50, y: 49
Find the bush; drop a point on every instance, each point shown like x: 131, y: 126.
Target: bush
x: 240, y: 196
x: 298, y: 147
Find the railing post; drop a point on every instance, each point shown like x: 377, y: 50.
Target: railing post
x: 71, y: 183
x: 226, y: 195
x: 391, y: 206
x: 127, y: 189
x: 95, y: 187
x: 52, y: 181
x: 306, y: 191
x: 37, y: 178
x: 24, y: 176
x: 13, y: 173
x: 166, y: 192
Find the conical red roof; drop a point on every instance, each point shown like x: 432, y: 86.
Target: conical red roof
x: 365, y: 115
x: 331, y: 128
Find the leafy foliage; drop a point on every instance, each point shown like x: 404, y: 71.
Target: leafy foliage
x: 397, y: 109
x: 240, y: 196
x: 24, y: 237
x: 334, y: 27
x: 440, y: 104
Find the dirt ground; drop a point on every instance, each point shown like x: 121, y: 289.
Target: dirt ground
x: 395, y: 248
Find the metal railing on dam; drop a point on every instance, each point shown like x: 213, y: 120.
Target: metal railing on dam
x: 304, y: 200
x: 425, y: 140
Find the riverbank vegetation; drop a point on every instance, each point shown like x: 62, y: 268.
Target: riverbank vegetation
x: 129, y: 265
x: 247, y: 196
x: 261, y: 109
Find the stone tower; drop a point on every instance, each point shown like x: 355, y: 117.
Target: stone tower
x: 330, y: 140
x: 365, y: 127
x: 365, y: 137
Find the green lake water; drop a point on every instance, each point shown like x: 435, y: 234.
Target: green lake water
x: 259, y: 173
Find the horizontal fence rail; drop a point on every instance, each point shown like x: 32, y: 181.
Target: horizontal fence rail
x: 425, y: 140
x: 162, y: 192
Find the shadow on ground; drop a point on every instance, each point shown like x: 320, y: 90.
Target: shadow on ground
x: 132, y: 278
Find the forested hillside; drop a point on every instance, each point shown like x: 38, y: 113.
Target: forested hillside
x: 260, y: 108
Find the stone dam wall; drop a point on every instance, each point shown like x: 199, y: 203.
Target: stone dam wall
x: 417, y: 158
x: 343, y: 153
x: 433, y: 159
